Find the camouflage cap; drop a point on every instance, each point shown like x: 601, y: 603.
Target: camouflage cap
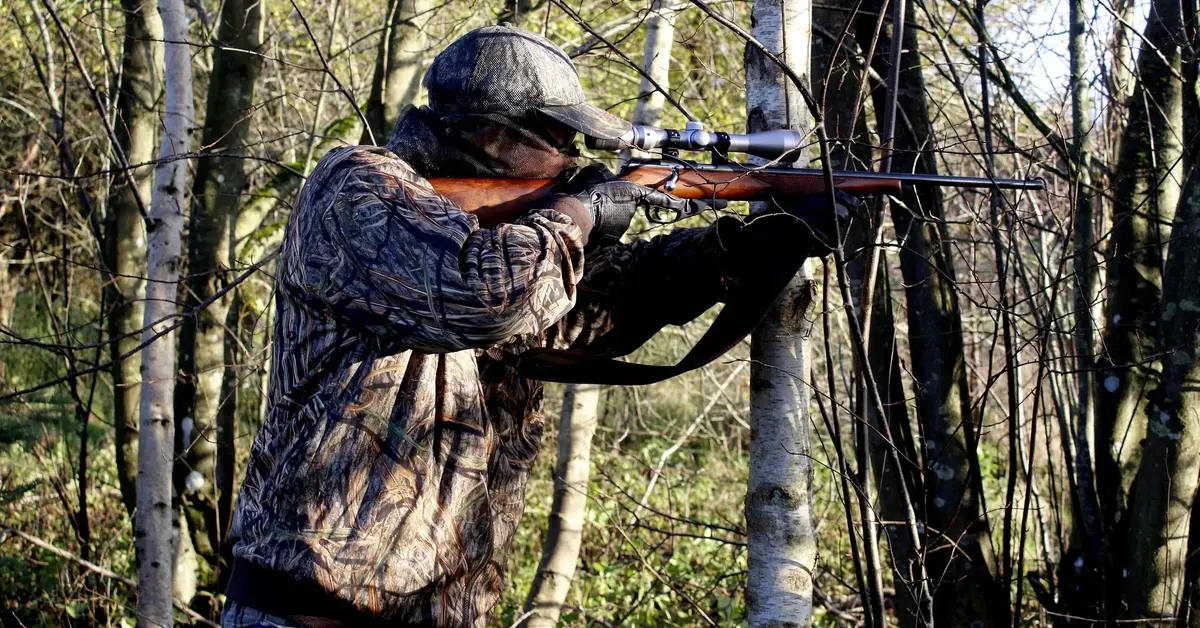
x: 506, y: 70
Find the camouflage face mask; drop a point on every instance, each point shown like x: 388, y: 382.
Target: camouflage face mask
x: 480, y: 145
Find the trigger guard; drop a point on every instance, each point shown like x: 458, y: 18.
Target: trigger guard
x: 662, y: 216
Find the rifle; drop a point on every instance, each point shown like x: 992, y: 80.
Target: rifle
x: 496, y: 201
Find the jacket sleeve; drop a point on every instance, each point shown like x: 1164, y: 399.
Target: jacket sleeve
x: 631, y: 291
x: 372, y: 243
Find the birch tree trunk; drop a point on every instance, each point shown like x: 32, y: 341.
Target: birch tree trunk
x: 125, y: 230
x: 217, y: 194
x: 152, y: 526
x: 564, y: 533
x: 656, y: 63
x: 1087, y: 501
x: 398, y: 68
x: 779, y: 528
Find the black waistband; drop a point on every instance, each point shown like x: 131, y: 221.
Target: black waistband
x: 300, y: 600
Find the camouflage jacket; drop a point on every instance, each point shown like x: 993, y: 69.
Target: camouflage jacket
x: 391, y: 469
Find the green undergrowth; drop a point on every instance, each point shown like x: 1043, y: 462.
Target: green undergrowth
x: 37, y: 586
x: 668, y: 564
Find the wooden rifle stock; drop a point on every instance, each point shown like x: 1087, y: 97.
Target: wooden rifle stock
x: 496, y: 201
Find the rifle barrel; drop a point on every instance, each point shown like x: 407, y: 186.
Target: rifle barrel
x: 940, y: 180
x: 908, y: 178
x: 957, y: 181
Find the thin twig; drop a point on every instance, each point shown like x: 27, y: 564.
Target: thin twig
x: 624, y: 57
x: 100, y: 107
x: 164, y: 160
x: 872, y: 596
x: 813, y: 107
x: 656, y: 472
x: 325, y: 64
x: 107, y: 573
x: 180, y: 317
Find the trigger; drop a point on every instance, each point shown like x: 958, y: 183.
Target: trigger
x: 661, y: 216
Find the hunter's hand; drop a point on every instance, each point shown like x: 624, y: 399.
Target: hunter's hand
x: 613, y: 202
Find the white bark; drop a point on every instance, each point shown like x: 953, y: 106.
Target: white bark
x: 656, y: 63
x: 403, y: 48
x: 780, y: 535
x: 564, y: 533
x: 185, y: 574
x: 407, y: 52
x: 156, y: 437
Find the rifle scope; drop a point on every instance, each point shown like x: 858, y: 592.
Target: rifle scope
x: 766, y: 144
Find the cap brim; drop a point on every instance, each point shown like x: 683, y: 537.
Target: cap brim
x: 589, y: 120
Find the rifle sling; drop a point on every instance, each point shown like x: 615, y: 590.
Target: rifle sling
x: 741, y: 314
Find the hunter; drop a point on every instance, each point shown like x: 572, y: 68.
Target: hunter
x: 387, y: 482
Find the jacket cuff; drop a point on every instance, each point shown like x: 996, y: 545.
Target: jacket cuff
x: 574, y: 209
